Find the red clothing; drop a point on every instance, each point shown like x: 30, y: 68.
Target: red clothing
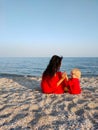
x: 49, y: 85
x: 74, y: 86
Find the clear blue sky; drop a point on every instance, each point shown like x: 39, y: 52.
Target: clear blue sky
x: 48, y: 27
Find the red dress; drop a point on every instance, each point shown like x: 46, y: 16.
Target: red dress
x: 49, y: 85
x: 74, y: 86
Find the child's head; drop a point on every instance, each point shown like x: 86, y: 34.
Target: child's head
x: 76, y: 73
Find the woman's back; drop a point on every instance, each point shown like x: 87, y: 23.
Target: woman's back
x: 49, y: 85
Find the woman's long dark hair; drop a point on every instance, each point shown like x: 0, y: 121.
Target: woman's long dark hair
x: 53, y: 66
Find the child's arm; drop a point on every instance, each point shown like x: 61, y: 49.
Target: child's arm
x: 66, y: 88
x: 66, y: 77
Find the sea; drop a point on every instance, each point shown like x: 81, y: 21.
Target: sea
x: 34, y: 66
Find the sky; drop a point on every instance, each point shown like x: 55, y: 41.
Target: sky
x: 42, y: 28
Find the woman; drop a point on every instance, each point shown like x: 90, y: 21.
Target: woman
x: 53, y: 81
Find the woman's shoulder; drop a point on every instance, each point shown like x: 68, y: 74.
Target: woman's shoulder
x: 59, y: 73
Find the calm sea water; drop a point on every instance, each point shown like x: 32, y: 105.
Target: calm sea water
x: 36, y: 66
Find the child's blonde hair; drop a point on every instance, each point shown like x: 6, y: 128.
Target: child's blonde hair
x: 76, y: 72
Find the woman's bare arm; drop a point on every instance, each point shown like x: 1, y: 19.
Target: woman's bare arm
x: 64, y: 76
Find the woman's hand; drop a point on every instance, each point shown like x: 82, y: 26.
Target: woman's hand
x: 64, y: 75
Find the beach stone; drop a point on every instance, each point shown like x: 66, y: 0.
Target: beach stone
x: 34, y: 107
x: 92, y: 105
x: 75, y: 100
x: 73, y: 109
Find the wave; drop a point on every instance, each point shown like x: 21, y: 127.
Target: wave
x: 15, y: 75
x: 21, y: 75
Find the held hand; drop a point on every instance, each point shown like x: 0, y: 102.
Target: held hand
x: 64, y: 75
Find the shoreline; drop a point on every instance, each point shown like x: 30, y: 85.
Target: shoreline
x: 21, y: 75
x: 24, y: 106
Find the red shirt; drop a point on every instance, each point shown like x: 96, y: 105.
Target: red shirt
x: 74, y: 86
x: 49, y: 85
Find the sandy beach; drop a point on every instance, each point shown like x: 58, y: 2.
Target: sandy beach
x: 24, y: 107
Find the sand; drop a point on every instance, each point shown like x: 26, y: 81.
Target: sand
x: 24, y: 107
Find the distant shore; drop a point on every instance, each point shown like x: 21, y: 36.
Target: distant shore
x: 24, y: 106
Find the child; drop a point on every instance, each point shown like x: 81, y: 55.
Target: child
x: 73, y: 84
